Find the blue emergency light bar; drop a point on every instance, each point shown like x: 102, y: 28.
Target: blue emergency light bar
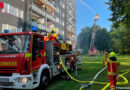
x: 34, y: 29
x: 6, y: 31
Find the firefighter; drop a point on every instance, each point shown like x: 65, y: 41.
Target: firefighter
x: 53, y: 36
x: 106, y: 55
x: 112, y: 69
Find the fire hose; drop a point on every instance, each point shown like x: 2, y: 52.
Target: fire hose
x: 80, y: 80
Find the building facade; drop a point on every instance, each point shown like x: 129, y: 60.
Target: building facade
x: 43, y: 14
x: 70, y: 22
x: 14, y: 17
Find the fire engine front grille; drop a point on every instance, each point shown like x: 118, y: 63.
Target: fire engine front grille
x: 6, y: 83
x: 7, y: 69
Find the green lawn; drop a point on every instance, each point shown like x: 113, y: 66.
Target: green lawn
x: 88, y: 72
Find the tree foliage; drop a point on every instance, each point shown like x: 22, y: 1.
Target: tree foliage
x: 102, y: 39
x: 121, y: 25
x: 120, y: 12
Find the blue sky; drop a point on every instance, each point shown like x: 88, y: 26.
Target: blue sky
x: 84, y: 16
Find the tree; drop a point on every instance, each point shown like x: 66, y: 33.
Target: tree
x: 120, y: 12
x: 102, y: 39
x: 84, y: 39
x: 121, y: 24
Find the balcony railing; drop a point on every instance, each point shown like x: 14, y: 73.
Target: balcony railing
x: 70, y: 30
x: 39, y: 25
x: 50, y: 4
x: 42, y: 12
x: 70, y: 38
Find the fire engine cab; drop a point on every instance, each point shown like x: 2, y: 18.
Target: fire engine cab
x: 27, y: 61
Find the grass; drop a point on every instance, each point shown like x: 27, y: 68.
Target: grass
x: 88, y: 72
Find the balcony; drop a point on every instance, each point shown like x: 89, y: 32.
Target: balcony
x: 70, y: 13
x: 47, y: 3
x: 70, y: 22
x: 70, y: 38
x: 43, y: 13
x: 71, y: 8
x: 70, y: 30
x: 39, y: 25
x: 50, y: 4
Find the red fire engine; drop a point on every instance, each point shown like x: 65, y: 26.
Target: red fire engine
x: 27, y: 61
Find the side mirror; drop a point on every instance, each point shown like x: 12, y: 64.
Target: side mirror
x: 41, y: 45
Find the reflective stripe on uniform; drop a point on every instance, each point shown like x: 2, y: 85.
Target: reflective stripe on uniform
x: 113, y: 86
x: 111, y: 73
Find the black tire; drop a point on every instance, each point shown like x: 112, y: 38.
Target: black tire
x: 44, y: 81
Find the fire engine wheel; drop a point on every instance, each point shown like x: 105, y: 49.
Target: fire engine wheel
x: 44, y: 81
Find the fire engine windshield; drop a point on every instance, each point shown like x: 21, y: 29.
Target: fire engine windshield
x: 13, y: 44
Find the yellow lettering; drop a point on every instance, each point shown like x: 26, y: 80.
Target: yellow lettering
x: 8, y: 63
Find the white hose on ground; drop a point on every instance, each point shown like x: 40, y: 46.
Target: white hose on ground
x: 84, y: 86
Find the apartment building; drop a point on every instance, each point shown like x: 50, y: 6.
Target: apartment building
x: 66, y: 19
x: 71, y: 21
x: 43, y: 14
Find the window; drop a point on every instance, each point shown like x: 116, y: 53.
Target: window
x: 63, y: 23
x: 11, y: 28
x: 4, y: 27
x: 57, y: 9
x: 63, y: 6
x: 12, y: 44
x: 36, y: 47
x: 57, y: 30
x: 63, y: 15
x: 6, y: 7
x: 13, y: 10
x: 20, y: 13
x: 57, y: 19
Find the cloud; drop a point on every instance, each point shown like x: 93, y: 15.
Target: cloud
x: 86, y: 5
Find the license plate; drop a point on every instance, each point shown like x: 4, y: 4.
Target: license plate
x: 4, y: 79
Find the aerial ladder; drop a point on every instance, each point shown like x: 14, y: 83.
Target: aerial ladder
x: 92, y: 50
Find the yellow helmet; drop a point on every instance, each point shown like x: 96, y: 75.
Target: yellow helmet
x: 54, y: 29
x: 112, y: 54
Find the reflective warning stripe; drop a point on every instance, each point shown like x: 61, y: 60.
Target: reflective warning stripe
x: 28, y: 55
x: 44, y: 53
x: 111, y: 73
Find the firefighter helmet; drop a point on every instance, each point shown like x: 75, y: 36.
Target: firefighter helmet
x: 54, y: 29
x: 112, y: 54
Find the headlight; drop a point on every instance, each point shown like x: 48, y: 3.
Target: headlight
x: 23, y: 80
x: 72, y: 58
